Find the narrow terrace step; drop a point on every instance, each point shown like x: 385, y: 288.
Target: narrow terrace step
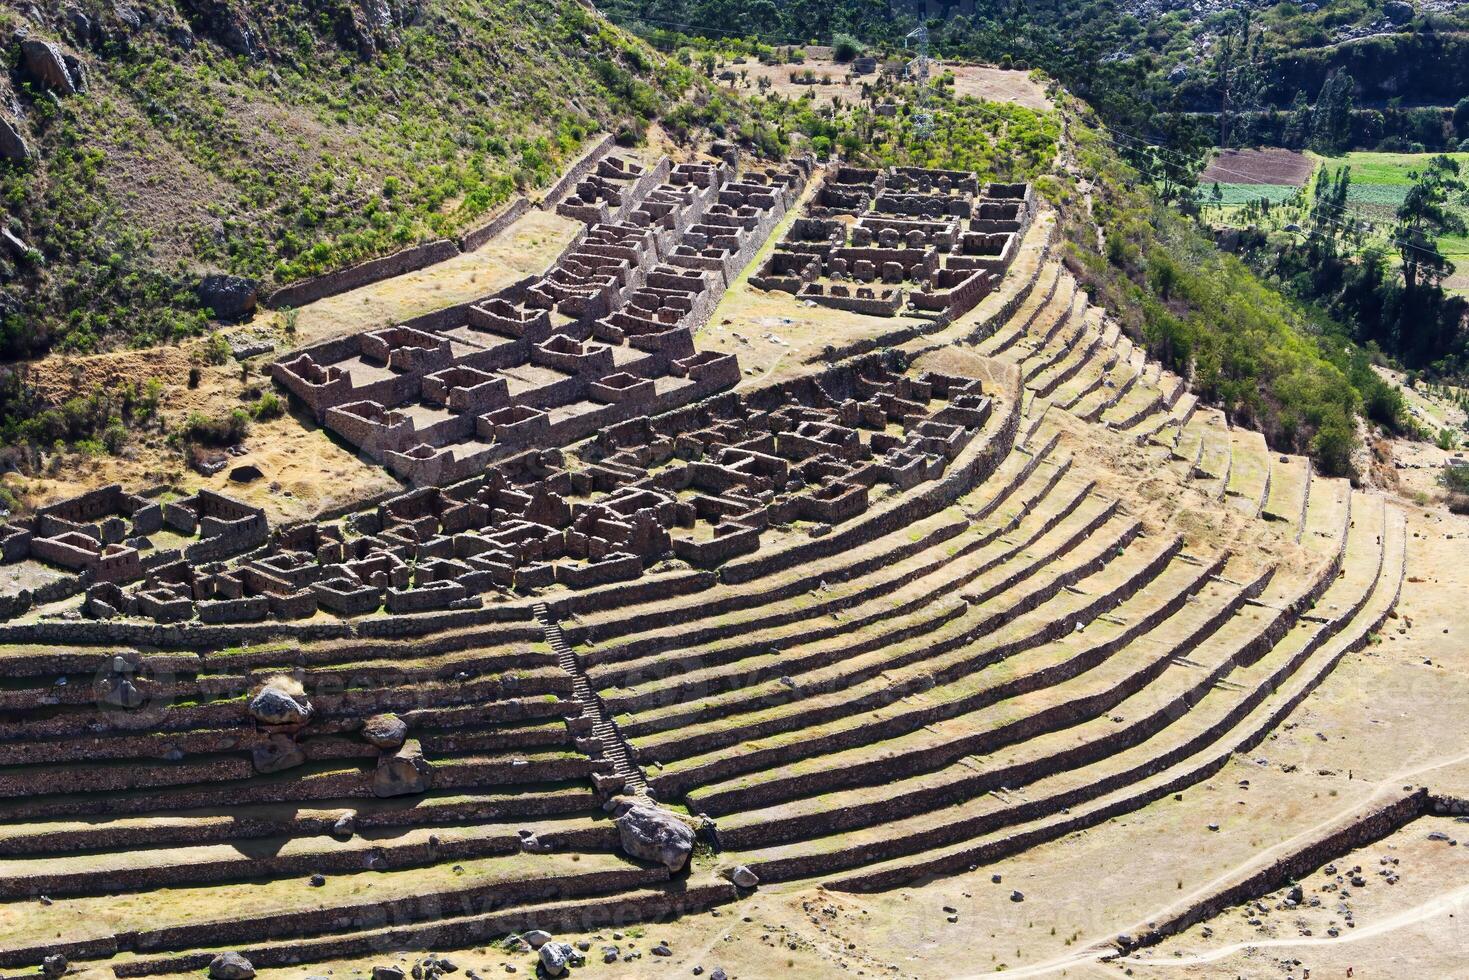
x: 1274, y: 697
x: 1022, y: 617
x: 674, y: 899
x: 400, y: 897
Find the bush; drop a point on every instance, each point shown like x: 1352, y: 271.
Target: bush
x: 269, y: 407
x: 227, y: 430
x: 845, y: 47
x: 216, y: 350
x: 1456, y: 478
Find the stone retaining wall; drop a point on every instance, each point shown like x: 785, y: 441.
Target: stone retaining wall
x: 373, y: 270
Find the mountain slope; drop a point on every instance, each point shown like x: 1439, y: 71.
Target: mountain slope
x: 278, y: 140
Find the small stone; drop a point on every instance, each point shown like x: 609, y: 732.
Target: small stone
x: 387, y: 973
x: 317, y: 880
x: 1017, y: 896
x: 537, y: 938
x: 661, y: 950
x: 54, y: 965
x: 743, y: 877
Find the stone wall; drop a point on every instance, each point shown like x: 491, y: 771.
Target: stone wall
x: 363, y: 274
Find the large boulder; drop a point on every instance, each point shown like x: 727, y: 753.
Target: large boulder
x: 275, y: 705
x: 46, y: 63
x: 12, y: 144
x: 229, y: 297
x: 556, y: 957
x: 403, y: 773
x: 654, y: 834
x: 1398, y: 11
x: 230, y: 966
x: 386, y: 731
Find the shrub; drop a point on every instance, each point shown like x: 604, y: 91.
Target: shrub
x: 216, y: 350
x: 226, y: 430
x: 269, y: 407
x: 1456, y: 478
x: 845, y: 47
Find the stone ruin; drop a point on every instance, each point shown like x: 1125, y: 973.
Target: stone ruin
x: 604, y: 336
x: 820, y: 627
x: 905, y: 241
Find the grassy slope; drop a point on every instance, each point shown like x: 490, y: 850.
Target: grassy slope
x: 330, y: 142
x: 1270, y: 362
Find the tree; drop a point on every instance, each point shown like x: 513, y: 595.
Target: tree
x: 1331, y: 123
x: 1428, y: 211
x: 1298, y: 123
x: 1238, y: 77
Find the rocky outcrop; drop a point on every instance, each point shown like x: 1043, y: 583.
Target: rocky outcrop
x: 386, y: 731
x: 556, y: 957
x: 651, y: 833
x: 404, y: 773
x: 12, y: 144
x: 52, y: 67
x: 276, y: 706
x: 228, y: 297
x: 277, y: 753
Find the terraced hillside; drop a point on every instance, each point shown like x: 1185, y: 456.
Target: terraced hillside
x: 901, y: 614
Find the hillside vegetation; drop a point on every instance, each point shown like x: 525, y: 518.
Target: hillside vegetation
x: 279, y: 140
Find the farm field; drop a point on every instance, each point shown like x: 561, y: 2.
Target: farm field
x: 1243, y: 176
x: 1380, y: 181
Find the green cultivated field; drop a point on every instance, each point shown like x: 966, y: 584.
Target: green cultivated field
x: 1235, y: 195
x: 1380, y: 180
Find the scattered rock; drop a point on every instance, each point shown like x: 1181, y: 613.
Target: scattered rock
x: 743, y: 877
x: 386, y: 731
x: 654, y: 834
x: 54, y: 965
x: 230, y: 966
x: 346, y: 824
x: 317, y: 880
x: 536, y: 937
x: 387, y: 973
x: 247, y: 473
x: 1017, y: 896
x: 662, y: 950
